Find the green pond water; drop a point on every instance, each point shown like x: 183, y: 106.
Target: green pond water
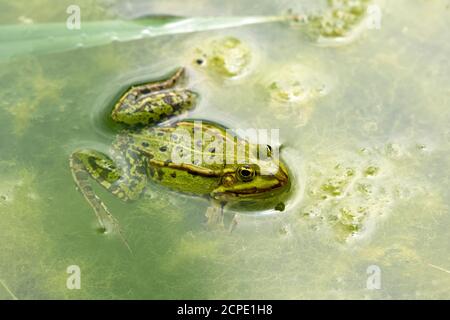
x: 365, y: 129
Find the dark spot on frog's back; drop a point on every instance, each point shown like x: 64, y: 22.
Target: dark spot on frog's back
x: 163, y: 148
x: 173, y: 174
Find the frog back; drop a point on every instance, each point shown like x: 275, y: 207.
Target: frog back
x: 182, y: 156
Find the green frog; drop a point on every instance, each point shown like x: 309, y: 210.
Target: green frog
x: 151, y: 145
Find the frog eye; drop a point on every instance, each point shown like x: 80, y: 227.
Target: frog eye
x: 246, y: 173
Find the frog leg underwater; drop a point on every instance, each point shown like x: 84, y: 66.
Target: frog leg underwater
x: 125, y: 185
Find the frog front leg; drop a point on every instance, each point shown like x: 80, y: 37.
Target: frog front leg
x: 126, y: 184
x: 215, y: 217
x: 154, y: 102
x: 234, y: 222
x: 215, y: 214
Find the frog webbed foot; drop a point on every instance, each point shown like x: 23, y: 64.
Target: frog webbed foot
x: 214, y: 216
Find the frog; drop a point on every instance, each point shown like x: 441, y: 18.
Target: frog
x: 151, y: 115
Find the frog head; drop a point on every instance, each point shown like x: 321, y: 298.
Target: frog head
x: 252, y: 181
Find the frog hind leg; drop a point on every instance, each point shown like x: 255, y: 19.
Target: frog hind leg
x: 160, y: 85
x: 87, y: 164
x: 150, y: 104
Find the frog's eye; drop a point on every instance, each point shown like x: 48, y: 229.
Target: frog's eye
x: 246, y: 173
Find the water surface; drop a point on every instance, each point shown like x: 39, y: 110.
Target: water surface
x: 375, y: 146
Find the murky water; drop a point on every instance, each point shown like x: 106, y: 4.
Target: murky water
x: 365, y: 133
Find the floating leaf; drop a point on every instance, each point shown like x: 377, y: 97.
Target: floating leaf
x: 56, y: 37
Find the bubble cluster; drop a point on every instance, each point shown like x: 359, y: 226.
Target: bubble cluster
x: 347, y: 194
x: 339, y: 19
x: 293, y: 89
x: 227, y: 57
